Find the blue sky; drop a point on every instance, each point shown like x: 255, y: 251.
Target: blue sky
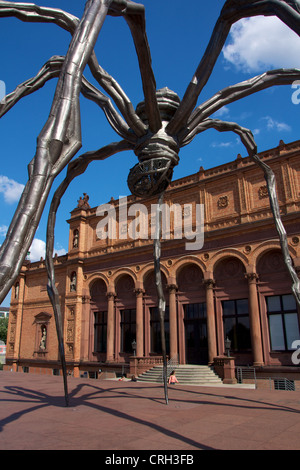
x: 178, y: 35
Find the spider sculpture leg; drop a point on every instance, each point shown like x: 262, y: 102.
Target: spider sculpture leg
x: 50, y: 69
x: 233, y: 93
x: 159, y: 288
x: 64, y: 115
x: 60, y: 138
x: 58, y: 142
x: 75, y: 168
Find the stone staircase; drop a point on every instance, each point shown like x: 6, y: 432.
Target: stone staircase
x: 188, y: 374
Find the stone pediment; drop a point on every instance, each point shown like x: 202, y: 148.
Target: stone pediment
x: 42, y: 317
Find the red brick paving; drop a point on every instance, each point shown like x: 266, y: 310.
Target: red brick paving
x: 113, y: 415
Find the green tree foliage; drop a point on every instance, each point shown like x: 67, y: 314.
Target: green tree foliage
x: 3, y: 329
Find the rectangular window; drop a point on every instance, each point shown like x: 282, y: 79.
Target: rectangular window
x: 128, y: 329
x: 236, y: 324
x: 283, y: 321
x: 100, y: 331
x: 276, y: 333
x: 195, y: 311
x: 156, y: 330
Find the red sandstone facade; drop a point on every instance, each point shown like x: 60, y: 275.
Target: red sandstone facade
x: 236, y: 285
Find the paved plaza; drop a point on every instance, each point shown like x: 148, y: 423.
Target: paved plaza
x: 127, y: 416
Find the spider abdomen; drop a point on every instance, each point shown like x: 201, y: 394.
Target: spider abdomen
x: 157, y: 153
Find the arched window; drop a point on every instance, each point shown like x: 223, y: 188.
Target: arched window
x: 230, y: 279
x: 192, y: 296
x: 281, y: 309
x: 126, y: 299
x: 155, y: 327
x: 99, y: 314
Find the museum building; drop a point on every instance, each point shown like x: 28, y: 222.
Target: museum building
x: 232, y: 283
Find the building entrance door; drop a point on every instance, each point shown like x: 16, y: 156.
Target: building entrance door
x: 196, y: 348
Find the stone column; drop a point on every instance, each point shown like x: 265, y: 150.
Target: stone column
x: 110, y: 326
x: 86, y: 318
x: 173, y: 320
x: 16, y: 320
x: 74, y: 298
x: 139, y: 322
x: 211, y: 323
x: 255, y: 329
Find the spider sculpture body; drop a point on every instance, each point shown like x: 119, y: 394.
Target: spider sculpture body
x: 155, y: 131
x: 157, y: 153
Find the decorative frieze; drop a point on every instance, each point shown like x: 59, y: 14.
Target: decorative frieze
x: 70, y: 331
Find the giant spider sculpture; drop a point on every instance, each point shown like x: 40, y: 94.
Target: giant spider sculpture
x: 155, y: 131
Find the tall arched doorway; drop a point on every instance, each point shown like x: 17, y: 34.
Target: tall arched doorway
x: 232, y: 306
x: 153, y: 326
x: 125, y: 315
x: 98, y: 321
x: 192, y: 315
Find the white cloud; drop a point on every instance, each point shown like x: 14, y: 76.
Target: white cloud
x: 221, y: 112
x: 3, y: 230
x: 221, y: 144
x: 38, y: 250
x: 10, y: 189
x: 262, y: 43
x: 272, y: 124
x: 60, y: 251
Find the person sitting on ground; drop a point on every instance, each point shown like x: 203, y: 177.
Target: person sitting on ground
x: 172, y: 378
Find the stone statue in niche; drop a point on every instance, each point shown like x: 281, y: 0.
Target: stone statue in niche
x: 17, y: 288
x: 76, y: 239
x: 73, y: 284
x: 43, y: 339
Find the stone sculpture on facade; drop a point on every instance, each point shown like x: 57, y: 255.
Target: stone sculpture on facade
x: 155, y: 131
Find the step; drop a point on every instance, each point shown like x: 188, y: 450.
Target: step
x: 186, y: 374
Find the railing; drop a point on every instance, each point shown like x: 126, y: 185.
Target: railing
x: 249, y: 375
x: 246, y: 374
x: 281, y: 383
x: 138, y: 365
